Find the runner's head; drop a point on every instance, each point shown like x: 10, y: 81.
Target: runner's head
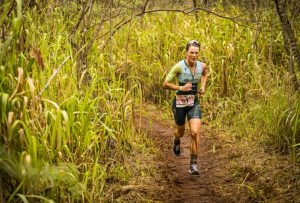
x: 190, y: 43
x: 192, y: 51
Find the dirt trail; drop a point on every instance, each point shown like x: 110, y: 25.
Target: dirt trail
x: 180, y: 186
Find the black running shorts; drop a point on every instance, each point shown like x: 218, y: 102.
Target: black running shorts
x: 180, y: 114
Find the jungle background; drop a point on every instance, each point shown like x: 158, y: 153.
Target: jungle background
x: 75, y: 76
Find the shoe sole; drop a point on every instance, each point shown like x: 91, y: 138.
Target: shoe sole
x: 194, y: 172
x: 176, y: 154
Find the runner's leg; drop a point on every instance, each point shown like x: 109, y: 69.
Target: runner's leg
x: 194, y: 118
x: 179, y: 131
x: 195, y: 126
x: 179, y: 116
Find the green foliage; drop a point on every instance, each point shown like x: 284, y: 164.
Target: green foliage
x: 19, y: 174
x: 67, y: 144
x: 67, y: 135
x: 269, y: 120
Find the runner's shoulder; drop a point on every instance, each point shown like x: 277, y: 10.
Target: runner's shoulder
x: 203, y: 64
x: 177, y: 67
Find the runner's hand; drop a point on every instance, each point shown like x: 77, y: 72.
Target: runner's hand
x: 201, y: 92
x: 187, y: 87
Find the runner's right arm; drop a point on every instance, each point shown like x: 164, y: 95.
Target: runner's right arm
x: 174, y: 72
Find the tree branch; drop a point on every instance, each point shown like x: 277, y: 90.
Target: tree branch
x: 145, y: 6
x: 95, y: 33
x: 83, y: 12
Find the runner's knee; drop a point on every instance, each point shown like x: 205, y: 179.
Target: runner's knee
x: 195, y: 134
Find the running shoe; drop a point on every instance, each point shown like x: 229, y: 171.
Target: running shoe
x: 176, y: 149
x: 194, y: 170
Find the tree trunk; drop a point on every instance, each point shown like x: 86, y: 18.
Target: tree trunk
x: 291, y: 67
x: 289, y: 38
x: 195, y: 6
x: 286, y: 27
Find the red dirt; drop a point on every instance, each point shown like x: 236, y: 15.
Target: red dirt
x: 231, y: 170
x: 180, y: 185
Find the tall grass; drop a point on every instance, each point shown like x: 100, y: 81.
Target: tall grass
x: 64, y: 144
x: 67, y: 143
x: 246, y: 93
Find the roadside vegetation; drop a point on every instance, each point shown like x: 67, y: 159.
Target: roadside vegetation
x: 69, y: 98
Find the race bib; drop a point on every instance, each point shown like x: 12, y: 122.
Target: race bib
x: 184, y: 100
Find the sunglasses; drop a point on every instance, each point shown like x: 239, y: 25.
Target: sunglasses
x: 193, y: 42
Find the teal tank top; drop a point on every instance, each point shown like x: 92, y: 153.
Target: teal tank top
x: 186, y: 76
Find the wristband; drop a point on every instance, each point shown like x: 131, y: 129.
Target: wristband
x: 179, y: 88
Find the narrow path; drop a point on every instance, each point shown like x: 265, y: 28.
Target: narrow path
x: 231, y: 170
x: 182, y: 186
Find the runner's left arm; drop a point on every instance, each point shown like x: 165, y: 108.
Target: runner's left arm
x: 203, y: 78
